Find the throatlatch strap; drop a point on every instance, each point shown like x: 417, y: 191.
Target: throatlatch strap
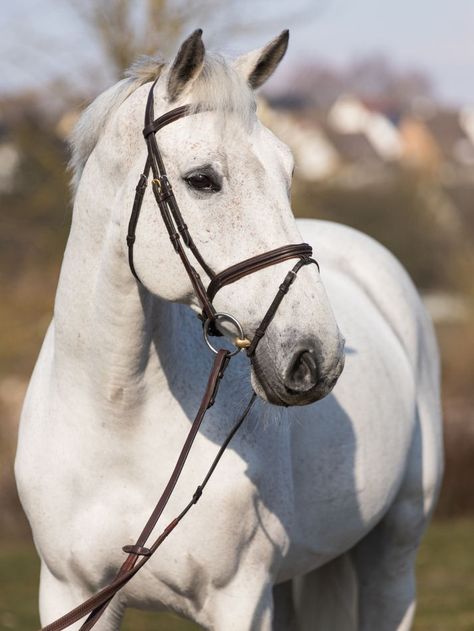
x: 169, y: 209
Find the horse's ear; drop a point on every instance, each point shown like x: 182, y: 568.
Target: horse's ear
x: 187, y: 65
x: 258, y: 65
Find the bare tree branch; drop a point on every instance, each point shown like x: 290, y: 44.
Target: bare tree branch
x: 129, y: 28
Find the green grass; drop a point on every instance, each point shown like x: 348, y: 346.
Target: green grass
x: 18, y: 587
x: 445, y: 585
x: 446, y: 577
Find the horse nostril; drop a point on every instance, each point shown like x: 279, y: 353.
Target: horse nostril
x: 303, y: 373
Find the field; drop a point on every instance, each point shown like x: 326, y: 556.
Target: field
x: 445, y: 583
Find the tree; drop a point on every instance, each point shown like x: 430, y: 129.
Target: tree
x: 127, y: 29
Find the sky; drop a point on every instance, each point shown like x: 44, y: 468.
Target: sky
x: 44, y: 39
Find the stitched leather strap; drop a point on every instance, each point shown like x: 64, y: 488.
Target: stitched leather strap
x: 164, y: 195
x: 256, y: 263
x: 152, y: 126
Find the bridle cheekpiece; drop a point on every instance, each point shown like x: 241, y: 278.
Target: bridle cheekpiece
x: 181, y: 238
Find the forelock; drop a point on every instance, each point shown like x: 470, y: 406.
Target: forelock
x: 219, y: 87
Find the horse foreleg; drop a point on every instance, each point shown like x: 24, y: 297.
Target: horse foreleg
x: 385, y: 567
x: 245, y: 604
x: 284, y: 614
x: 385, y: 559
x: 58, y: 597
x: 326, y: 598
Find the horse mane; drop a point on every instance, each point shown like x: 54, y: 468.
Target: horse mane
x: 218, y: 87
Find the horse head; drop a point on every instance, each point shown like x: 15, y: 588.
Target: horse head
x: 231, y: 179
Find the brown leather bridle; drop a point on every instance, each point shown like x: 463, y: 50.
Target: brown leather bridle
x: 138, y: 553
x: 179, y: 234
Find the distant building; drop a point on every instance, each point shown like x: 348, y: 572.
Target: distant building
x: 9, y: 161
x: 361, y: 135
x: 420, y: 149
x: 315, y: 157
x: 441, y: 138
x: 466, y: 120
x: 350, y: 115
x: 353, y: 147
x: 448, y: 131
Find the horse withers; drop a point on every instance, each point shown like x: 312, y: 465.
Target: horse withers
x: 315, y: 514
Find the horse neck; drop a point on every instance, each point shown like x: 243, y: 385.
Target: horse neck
x: 107, y: 328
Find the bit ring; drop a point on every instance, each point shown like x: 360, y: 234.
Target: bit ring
x: 240, y: 341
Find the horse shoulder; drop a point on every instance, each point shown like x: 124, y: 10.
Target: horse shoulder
x: 380, y: 276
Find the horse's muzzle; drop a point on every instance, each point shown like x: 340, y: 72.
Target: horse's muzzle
x: 307, y: 376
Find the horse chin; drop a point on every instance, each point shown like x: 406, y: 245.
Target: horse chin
x: 273, y: 390
x: 265, y: 392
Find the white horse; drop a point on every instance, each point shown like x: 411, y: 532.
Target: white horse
x: 316, y: 511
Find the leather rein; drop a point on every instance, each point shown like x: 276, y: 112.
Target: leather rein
x: 181, y: 239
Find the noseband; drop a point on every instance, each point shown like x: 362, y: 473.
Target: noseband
x: 138, y: 553
x: 181, y: 238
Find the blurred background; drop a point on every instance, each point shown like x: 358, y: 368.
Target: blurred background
x: 376, y: 101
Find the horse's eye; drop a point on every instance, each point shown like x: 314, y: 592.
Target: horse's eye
x: 203, y: 182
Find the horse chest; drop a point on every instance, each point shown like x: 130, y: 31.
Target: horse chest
x: 103, y: 506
